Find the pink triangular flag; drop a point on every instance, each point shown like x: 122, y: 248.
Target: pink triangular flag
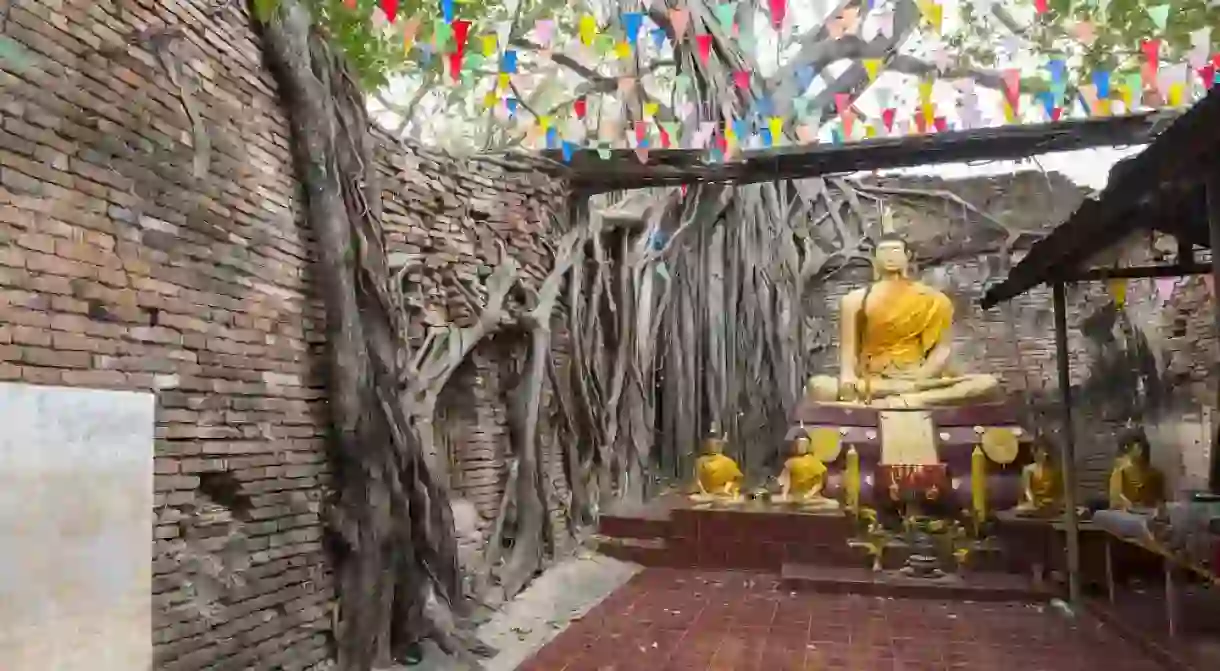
x: 742, y: 79
x: 642, y: 154
x: 679, y: 18
x: 1165, y: 287
x: 1012, y: 84
x: 806, y: 134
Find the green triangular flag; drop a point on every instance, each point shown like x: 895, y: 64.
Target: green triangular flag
x: 1159, y: 15
x: 726, y: 13
x: 747, y: 43
x: 442, y: 32
x: 836, y: 135
x: 682, y: 83
x: 672, y: 128
x: 802, y: 106
x: 603, y: 44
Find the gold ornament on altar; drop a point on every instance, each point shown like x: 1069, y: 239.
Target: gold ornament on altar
x: 825, y: 444
x: 1000, y: 445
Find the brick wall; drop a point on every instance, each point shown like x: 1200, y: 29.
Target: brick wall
x: 119, y: 268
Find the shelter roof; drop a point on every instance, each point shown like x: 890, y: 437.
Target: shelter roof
x: 1162, y: 188
x: 623, y: 170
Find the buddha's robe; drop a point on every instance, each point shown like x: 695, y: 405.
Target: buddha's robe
x: 1045, y: 485
x: 901, y: 322
x: 715, y: 471
x: 805, y: 472
x: 1143, y: 486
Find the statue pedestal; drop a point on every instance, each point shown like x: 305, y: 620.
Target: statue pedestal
x: 943, y: 436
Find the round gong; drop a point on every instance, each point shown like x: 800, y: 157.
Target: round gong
x: 1000, y: 445
x: 824, y: 444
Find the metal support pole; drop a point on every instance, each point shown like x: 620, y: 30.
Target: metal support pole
x: 1067, y: 447
x: 1213, y: 227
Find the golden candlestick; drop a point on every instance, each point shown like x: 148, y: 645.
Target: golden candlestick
x: 852, y: 485
x: 978, y: 485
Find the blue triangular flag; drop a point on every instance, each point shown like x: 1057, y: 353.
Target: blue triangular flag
x: 509, y: 63
x: 1058, y: 69
x: 804, y: 77
x: 741, y: 129
x: 568, y: 149
x: 511, y: 104
x: 552, y: 138
x: 1101, y: 79
x: 447, y: 10
x: 658, y: 37
x: 1048, y: 102
x: 765, y: 134
x: 631, y: 23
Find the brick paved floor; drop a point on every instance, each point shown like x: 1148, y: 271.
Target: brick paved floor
x: 671, y: 620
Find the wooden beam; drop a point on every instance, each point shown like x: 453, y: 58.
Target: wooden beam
x: 622, y: 169
x: 1134, y: 272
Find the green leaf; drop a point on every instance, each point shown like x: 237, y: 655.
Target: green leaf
x: 264, y: 10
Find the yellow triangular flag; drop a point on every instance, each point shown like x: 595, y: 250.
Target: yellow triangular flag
x: 490, y: 100
x: 925, y: 92
x: 489, y: 46
x: 933, y: 12
x: 544, y: 122
x: 870, y: 131
x: 1009, y: 115
x: 871, y: 66
x: 651, y: 109
x: 1118, y: 290
x: 776, y: 125
x: 1176, y: 93
x: 588, y: 29
x: 622, y: 50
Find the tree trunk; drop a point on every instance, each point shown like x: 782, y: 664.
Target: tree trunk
x: 398, y: 575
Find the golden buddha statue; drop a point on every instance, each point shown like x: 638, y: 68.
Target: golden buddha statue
x: 717, y: 476
x: 1134, y: 482
x: 803, y: 478
x: 1041, y: 483
x: 895, y: 346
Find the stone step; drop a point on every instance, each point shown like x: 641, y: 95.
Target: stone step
x: 973, y: 586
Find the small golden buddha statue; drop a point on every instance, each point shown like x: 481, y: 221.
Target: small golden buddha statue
x: 717, y: 476
x: 803, y: 478
x: 895, y: 346
x: 1041, y: 483
x: 1134, y: 482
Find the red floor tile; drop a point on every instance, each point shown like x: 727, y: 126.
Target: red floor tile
x: 681, y: 620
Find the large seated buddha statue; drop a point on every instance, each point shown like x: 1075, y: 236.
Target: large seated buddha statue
x: 717, y: 476
x: 895, y: 346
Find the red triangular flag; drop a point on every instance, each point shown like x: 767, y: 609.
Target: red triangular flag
x: 682, y: 190
x: 1041, y: 6
x: 941, y: 124
x: 1152, y: 52
x: 1056, y: 112
x: 1208, y: 73
x: 664, y: 137
x: 390, y: 7
x: 704, y: 42
x: 1012, y: 86
x: 455, y: 65
x: 921, y: 124
x: 461, y: 28
x: 779, y: 10
x: 641, y: 131
x: 722, y: 143
x: 581, y: 107
x: 887, y: 117
x: 742, y: 79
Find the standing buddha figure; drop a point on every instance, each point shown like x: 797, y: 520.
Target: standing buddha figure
x: 1134, y: 482
x: 716, y: 474
x: 895, y: 345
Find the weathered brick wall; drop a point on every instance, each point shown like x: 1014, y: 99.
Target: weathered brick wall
x: 446, y: 220
x: 121, y: 269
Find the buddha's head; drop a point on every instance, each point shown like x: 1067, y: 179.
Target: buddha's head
x: 713, y: 445
x: 1134, y: 446
x: 800, y: 446
x: 891, y: 258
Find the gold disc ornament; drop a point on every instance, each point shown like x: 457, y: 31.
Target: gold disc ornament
x: 825, y: 444
x: 1001, y: 445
